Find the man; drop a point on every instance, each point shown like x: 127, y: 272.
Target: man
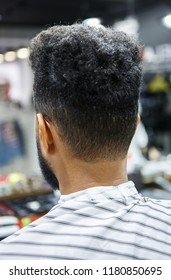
x: 86, y: 88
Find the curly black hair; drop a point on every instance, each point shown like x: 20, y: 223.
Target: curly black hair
x: 87, y: 82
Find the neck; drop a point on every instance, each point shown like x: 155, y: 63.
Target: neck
x: 77, y: 175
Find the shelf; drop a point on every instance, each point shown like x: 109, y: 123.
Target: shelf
x: 26, y: 194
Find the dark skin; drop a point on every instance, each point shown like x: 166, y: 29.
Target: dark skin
x: 73, y: 174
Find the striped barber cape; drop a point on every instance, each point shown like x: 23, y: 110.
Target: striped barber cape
x: 103, y: 222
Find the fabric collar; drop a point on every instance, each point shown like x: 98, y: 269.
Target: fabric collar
x: 119, y: 192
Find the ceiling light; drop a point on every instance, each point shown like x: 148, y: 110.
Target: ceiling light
x: 129, y: 25
x: 23, y: 53
x: 10, y: 56
x: 1, y: 58
x: 167, y: 21
x: 92, y: 22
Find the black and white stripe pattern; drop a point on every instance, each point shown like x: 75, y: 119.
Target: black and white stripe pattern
x: 112, y: 222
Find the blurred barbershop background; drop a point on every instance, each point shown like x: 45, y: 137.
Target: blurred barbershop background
x: 24, y: 195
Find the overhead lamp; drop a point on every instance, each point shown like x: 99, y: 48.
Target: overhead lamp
x: 129, y: 25
x: 10, y: 56
x: 167, y: 21
x: 23, y: 53
x: 1, y: 58
x: 93, y: 21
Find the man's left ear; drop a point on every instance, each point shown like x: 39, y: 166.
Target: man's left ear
x: 138, y: 119
x: 45, y: 134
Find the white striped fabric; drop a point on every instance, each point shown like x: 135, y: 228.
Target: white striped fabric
x: 111, y: 222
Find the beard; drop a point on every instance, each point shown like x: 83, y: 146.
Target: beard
x: 47, y: 171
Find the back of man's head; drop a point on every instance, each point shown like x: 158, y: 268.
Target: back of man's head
x: 87, y: 82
